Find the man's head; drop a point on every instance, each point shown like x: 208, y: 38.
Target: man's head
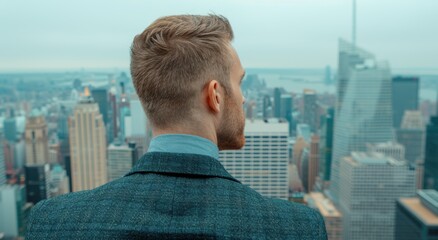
x: 187, y: 76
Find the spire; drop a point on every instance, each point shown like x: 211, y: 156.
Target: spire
x: 354, y: 24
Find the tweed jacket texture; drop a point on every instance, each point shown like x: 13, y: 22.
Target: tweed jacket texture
x: 173, y: 196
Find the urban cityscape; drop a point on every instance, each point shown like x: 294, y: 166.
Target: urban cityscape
x: 358, y: 141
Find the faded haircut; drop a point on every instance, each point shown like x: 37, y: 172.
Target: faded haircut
x: 174, y: 58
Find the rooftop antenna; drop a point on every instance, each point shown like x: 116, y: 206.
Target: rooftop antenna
x: 354, y: 24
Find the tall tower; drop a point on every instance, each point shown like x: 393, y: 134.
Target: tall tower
x: 87, y: 145
x: 310, y: 109
x: 37, y: 149
x: 363, y: 108
x: 2, y: 160
x: 404, y: 97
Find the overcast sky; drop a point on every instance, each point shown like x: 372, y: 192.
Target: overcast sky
x: 53, y: 34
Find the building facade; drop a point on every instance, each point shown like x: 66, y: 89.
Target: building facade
x: 87, y: 146
x: 121, y: 158
x: 36, y: 138
x: 262, y: 164
x: 371, y: 183
x: 363, y: 111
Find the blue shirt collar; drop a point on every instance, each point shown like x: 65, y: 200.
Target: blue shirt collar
x: 184, y: 143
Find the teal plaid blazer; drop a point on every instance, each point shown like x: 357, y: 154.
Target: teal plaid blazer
x: 173, y: 196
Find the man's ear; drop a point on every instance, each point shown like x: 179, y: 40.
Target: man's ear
x: 214, y: 97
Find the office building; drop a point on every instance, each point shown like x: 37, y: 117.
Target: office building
x: 121, y: 158
x: 59, y: 182
x: 37, y: 182
x: 363, y: 111
x: 10, y: 129
x: 431, y: 155
x: 371, y: 183
x: 62, y: 128
x: 412, y: 136
x: 2, y: 159
x: 100, y: 96
x: 87, y: 146
x: 326, y: 145
x: 417, y: 217
x: 37, y: 149
x: 277, y: 102
x: 404, y: 97
x: 262, y: 164
x: 332, y: 216
x: 311, y: 110
x: 13, y: 209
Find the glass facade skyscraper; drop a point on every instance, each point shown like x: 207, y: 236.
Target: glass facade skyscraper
x: 363, y: 111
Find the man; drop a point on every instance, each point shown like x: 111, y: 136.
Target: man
x: 187, y: 76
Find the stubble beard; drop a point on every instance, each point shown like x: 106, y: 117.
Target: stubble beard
x: 231, y: 135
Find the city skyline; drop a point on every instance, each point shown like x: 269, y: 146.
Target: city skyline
x: 82, y: 35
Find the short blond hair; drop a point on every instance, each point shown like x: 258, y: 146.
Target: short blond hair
x: 173, y: 59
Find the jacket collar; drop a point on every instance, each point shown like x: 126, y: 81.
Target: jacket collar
x: 180, y: 164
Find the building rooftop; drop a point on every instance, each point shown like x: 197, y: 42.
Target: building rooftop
x: 415, y: 206
x: 269, y: 126
x: 324, y: 205
x: 429, y: 198
x: 373, y: 158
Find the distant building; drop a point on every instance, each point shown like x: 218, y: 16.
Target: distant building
x: 59, y: 181
x: 10, y: 129
x: 404, y: 97
x: 87, y: 146
x: 311, y: 111
x: 370, y: 185
x: 431, y: 155
x: 13, y: 209
x: 417, y: 217
x: 412, y: 136
x: 277, y: 102
x: 100, y: 95
x: 37, y: 182
x: 62, y: 128
x: 326, y: 145
x: 328, y: 79
x: 2, y: 159
x: 262, y: 164
x: 37, y: 149
x: 332, y: 216
x: 121, y: 158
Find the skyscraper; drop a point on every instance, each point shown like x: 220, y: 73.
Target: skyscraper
x: 263, y: 163
x: 87, y: 145
x: 310, y: 115
x: 417, y: 217
x: 10, y: 129
x: 412, y: 136
x: 62, y: 127
x: 59, y: 182
x: 371, y: 183
x: 431, y: 155
x: 121, y: 158
x: 404, y: 97
x: 37, y: 149
x: 326, y: 145
x: 363, y: 106
x: 2, y: 160
x: 13, y: 210
x: 37, y: 182
x: 100, y: 95
x: 277, y: 102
